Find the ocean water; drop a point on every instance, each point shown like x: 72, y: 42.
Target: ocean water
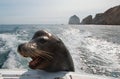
x: 95, y: 49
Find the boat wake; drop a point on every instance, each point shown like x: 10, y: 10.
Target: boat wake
x: 90, y: 54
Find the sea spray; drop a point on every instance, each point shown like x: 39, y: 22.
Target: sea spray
x: 90, y: 46
x: 90, y: 54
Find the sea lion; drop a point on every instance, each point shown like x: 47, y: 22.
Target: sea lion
x: 48, y: 53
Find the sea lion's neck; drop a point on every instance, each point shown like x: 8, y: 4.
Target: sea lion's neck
x: 62, y: 61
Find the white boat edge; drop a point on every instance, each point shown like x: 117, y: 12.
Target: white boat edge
x: 38, y: 74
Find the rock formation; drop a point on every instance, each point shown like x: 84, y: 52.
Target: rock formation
x: 99, y: 19
x: 87, y: 20
x: 74, y: 20
x: 112, y: 16
x: 109, y: 17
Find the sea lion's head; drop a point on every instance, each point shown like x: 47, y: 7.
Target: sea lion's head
x: 45, y: 49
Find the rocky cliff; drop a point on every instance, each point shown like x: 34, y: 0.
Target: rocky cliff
x: 109, y: 17
x: 87, y: 20
x: 99, y: 19
x: 112, y: 16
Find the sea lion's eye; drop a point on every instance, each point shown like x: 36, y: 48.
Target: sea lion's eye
x: 42, y: 40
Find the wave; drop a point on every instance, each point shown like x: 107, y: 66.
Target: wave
x: 10, y: 59
x: 90, y: 54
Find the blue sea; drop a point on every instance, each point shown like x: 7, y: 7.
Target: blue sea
x: 95, y: 49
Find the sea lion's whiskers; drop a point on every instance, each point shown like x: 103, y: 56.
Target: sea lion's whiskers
x: 36, y: 54
x: 45, y: 54
x: 48, y: 55
x: 29, y: 53
x: 32, y: 53
x: 40, y: 53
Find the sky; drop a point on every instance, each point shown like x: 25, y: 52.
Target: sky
x: 50, y: 11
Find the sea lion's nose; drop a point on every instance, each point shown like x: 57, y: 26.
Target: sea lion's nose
x: 20, y: 47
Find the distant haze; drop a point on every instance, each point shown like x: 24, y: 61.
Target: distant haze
x: 50, y: 11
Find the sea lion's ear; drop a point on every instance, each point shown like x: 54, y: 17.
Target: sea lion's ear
x: 59, y: 40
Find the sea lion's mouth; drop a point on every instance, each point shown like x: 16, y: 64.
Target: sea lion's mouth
x: 36, y: 61
x: 40, y: 59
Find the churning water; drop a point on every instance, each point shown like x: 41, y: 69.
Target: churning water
x: 95, y: 48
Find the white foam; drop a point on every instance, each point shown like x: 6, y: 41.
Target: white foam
x: 84, y: 48
x: 90, y: 54
x: 11, y: 43
x: 35, y: 74
x: 72, y: 39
